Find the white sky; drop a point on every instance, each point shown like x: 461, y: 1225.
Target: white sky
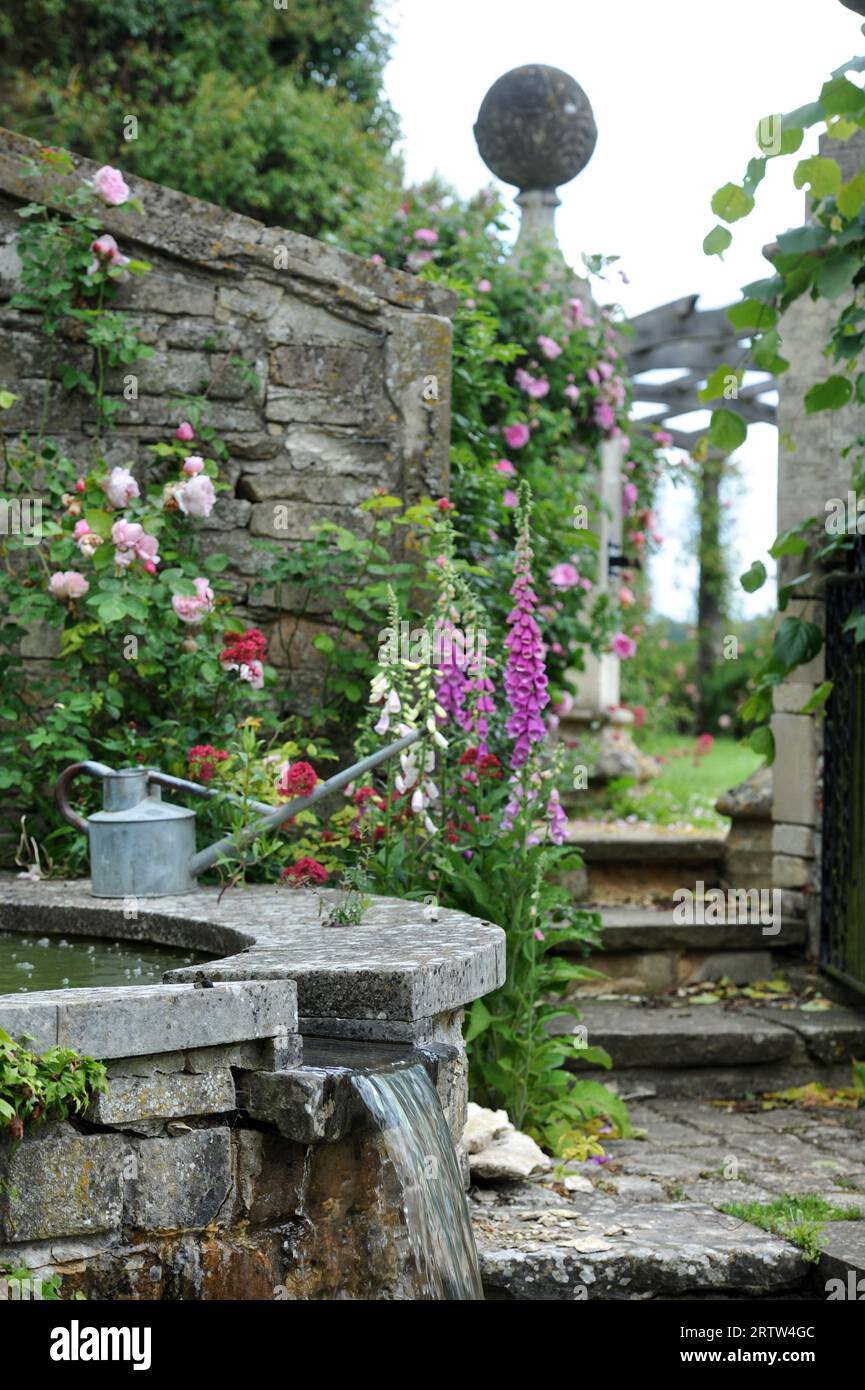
x: 677, y: 87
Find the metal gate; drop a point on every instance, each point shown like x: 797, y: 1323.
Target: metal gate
x: 842, y: 947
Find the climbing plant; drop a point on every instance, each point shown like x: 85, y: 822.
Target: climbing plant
x: 825, y: 260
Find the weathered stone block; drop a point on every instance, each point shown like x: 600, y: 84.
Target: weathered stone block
x: 790, y: 696
x: 794, y: 782
x: 162, y: 1096
x: 180, y: 1183
x: 270, y: 1172
x: 797, y: 840
x: 789, y: 872
x: 67, y: 1184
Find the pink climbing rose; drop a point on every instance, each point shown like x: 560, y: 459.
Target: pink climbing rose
x: 517, y: 435
x: 425, y: 236
x: 120, y: 487
x: 623, y: 646
x: 193, y: 465
x: 630, y: 493
x: 106, y: 252
x: 196, y: 496
x: 111, y: 186
x: 564, y: 576
x: 68, y: 584
x: 184, y: 432
x: 549, y: 347
x: 504, y: 466
x: 193, y: 608
x: 509, y: 497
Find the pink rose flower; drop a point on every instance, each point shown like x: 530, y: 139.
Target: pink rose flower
x: 563, y: 576
x: 193, y: 608
x: 120, y: 487
x: 81, y: 528
x: 111, y: 186
x: 623, y: 646
x: 573, y: 393
x: 603, y: 414
x: 132, y: 542
x: 662, y: 439
x: 549, y: 347
x: 425, y: 236
x: 196, y: 497
x: 68, y: 584
x: 504, y: 466
x: 192, y: 465
x: 484, y: 286
x: 538, y: 389
x: 516, y: 435
x: 253, y: 673
x: 626, y: 596
x: 184, y: 432
x: 630, y: 493
x: 377, y: 259
x: 105, y: 251
x: 593, y: 376
x: 510, y: 498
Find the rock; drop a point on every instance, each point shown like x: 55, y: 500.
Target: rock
x: 619, y: 756
x: 499, y: 1151
x: 751, y: 799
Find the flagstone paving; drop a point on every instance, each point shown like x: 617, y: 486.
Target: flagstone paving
x: 647, y: 1223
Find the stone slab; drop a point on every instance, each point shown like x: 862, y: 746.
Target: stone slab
x: 131, y: 1021
x: 65, y: 1184
x: 654, y: 929
x: 598, y: 842
x: 180, y: 1183
x: 394, y: 965
x: 699, y: 1036
x: 169, y: 1096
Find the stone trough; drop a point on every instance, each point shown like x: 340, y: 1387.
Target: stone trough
x: 231, y: 1157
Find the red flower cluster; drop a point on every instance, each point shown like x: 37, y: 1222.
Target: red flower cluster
x: 486, y: 762
x: 242, y: 648
x: 203, y: 759
x: 298, y: 779
x: 305, y: 870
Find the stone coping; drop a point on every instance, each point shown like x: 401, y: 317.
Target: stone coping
x: 394, y: 965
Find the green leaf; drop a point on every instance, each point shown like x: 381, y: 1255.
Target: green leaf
x: 836, y: 274
x: 718, y: 382
x: 100, y: 522
x: 753, y: 578
x: 727, y: 431
x: 717, y: 241
x: 796, y: 642
x: 765, y: 290
x: 823, y: 176
x: 731, y: 202
x: 479, y: 1021
x: 7, y: 400
x: 817, y: 700
x: 841, y: 97
x: 851, y: 196
x: 831, y: 394
x: 791, y: 542
x: 803, y: 239
x: 750, y: 313
x: 215, y: 564
x: 323, y: 643
x: 763, y: 742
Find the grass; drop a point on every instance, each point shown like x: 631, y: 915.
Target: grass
x: 799, y: 1219
x: 688, y: 786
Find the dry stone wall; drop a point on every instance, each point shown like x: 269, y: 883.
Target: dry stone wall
x: 341, y: 347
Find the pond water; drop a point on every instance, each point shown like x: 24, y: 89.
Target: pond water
x: 29, y: 962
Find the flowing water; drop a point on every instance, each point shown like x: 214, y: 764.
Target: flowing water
x: 29, y: 962
x: 406, y: 1108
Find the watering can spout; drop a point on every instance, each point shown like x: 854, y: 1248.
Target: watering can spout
x: 142, y: 846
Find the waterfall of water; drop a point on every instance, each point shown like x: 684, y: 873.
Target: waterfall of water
x: 405, y: 1106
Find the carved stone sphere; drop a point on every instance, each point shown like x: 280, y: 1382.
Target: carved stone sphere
x: 535, y: 127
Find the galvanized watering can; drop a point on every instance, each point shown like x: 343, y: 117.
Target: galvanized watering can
x: 144, y: 847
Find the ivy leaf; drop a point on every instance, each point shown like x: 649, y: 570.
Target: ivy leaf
x: 7, y: 400
x: 753, y: 578
x: 791, y: 542
x: 831, y: 394
x: 818, y: 699
x: 796, y: 642
x: 823, y: 176
x: 836, y: 273
x: 841, y: 97
x: 215, y: 564
x: 765, y: 290
x: 732, y: 202
x: 762, y: 741
x: 803, y: 239
x: 750, y: 313
x: 323, y: 643
x: 99, y: 522
x: 716, y: 243
x: 727, y: 431
x: 851, y: 196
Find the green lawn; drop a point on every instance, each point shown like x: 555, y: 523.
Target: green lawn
x: 689, y: 784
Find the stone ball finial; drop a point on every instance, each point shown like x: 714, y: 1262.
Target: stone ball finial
x: 858, y: 6
x: 535, y: 127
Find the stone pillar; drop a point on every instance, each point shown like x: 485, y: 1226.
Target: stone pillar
x: 536, y: 129
x: 807, y: 479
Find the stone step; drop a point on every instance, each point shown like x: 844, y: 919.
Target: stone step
x: 641, y: 864
x: 636, y: 928
x: 719, y: 1051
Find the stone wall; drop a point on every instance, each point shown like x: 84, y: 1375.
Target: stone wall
x: 809, y: 476
x: 341, y: 348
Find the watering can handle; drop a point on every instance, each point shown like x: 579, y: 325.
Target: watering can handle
x: 66, y: 811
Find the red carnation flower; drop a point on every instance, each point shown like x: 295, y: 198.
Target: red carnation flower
x: 203, y: 759
x: 305, y: 870
x: 297, y: 779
